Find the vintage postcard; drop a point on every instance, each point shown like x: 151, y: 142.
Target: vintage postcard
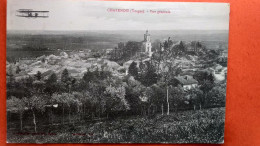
x: 116, y: 71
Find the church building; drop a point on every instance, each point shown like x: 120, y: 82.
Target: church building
x: 147, y: 45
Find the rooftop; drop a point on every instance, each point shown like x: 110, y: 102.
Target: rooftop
x: 186, y: 80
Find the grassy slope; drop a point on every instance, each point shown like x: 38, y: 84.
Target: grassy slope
x: 205, y: 126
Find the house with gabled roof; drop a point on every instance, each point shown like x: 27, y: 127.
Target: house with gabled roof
x: 186, y: 81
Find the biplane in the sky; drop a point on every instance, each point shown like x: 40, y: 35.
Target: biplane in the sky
x: 29, y: 13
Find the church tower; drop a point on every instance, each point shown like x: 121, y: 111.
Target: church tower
x: 147, y: 43
x: 147, y: 37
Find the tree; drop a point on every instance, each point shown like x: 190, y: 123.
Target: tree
x: 52, y: 79
x: 66, y: 80
x: 66, y: 100
x: 176, y: 96
x: 142, y: 67
x: 96, y: 90
x: 167, y: 43
x: 133, y: 70
x: 158, y: 96
x: 18, y: 70
x: 115, y: 99
x: 130, y: 49
x: 38, y: 76
x: 88, y: 76
x: 182, y: 47
x: 195, y: 96
x: 148, y: 93
x: 58, y: 99
x: 104, y: 74
x: 216, y: 96
x: 10, y: 81
x: 81, y: 99
x: 16, y: 105
x: 50, y: 88
x: 134, y: 89
x: 167, y: 67
x: 51, y: 84
x: 38, y: 87
x: 22, y: 88
x: 156, y: 45
x: 178, y: 71
x: 205, y: 87
x: 149, y: 76
x: 201, y: 76
x: 65, y: 76
x: 71, y: 102
x: 168, y: 76
x: 35, y: 103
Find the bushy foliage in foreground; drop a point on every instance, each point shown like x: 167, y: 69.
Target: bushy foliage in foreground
x: 200, y: 126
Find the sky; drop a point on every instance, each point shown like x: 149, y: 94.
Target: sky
x: 73, y: 15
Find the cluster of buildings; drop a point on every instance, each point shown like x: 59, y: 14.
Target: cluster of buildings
x: 77, y: 67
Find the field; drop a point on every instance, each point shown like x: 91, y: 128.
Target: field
x: 200, y: 126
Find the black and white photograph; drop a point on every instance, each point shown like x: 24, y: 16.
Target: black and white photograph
x: 116, y: 71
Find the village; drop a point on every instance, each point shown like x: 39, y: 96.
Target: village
x: 133, y: 79
x: 79, y: 62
